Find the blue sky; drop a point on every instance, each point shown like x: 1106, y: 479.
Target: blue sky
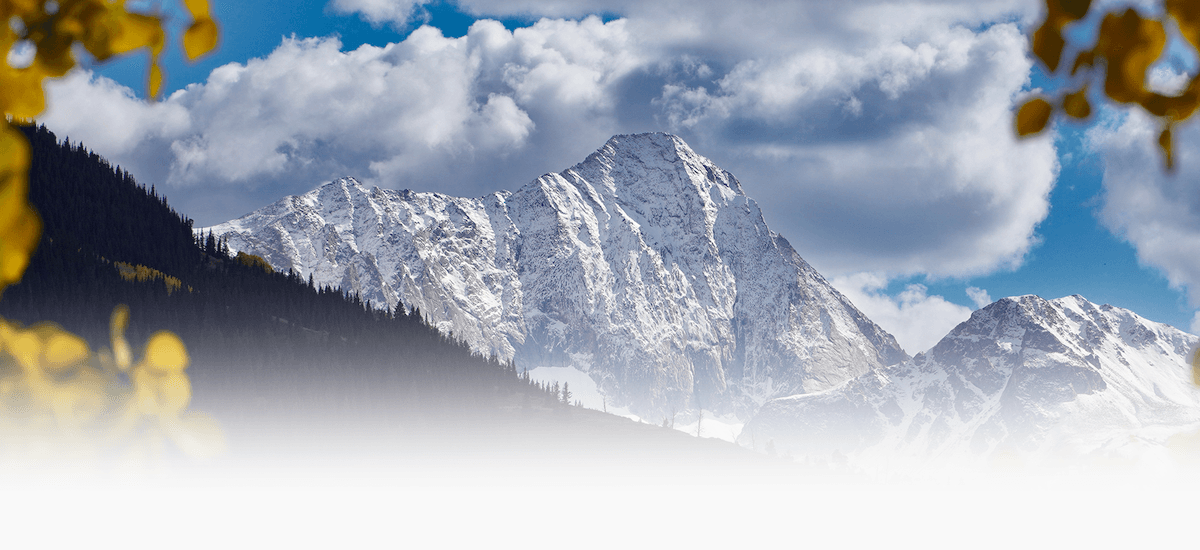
x: 877, y: 138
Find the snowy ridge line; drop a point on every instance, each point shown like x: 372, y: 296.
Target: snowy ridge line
x: 645, y: 266
x: 1023, y: 376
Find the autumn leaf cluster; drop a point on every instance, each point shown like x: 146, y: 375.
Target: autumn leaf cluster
x: 59, y: 402
x: 1127, y: 44
x: 55, y: 394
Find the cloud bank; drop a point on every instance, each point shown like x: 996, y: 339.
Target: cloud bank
x: 1156, y: 211
x: 877, y: 136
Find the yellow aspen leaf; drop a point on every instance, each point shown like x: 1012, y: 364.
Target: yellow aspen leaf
x: 198, y: 8
x: 1084, y: 59
x: 174, y: 392
x: 1164, y: 142
x: 22, y: 95
x: 122, y: 354
x: 1076, y: 104
x: 1048, y: 45
x: 63, y: 349
x: 154, y: 80
x: 1048, y: 41
x: 200, y: 38
x: 1074, y: 9
x: 137, y: 31
x: 1187, y: 15
x: 1173, y: 108
x: 1131, y: 44
x: 1033, y: 116
x: 165, y: 353
x: 17, y: 242
x: 25, y: 348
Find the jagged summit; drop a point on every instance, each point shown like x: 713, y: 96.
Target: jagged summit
x: 1023, y: 373
x: 645, y: 266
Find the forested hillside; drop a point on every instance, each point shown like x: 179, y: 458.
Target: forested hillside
x: 288, y: 368
x: 262, y: 343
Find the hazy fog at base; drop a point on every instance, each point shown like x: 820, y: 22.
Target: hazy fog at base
x: 355, y: 470
x: 577, y: 506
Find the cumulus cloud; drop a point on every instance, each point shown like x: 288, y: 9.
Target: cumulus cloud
x: 1155, y: 211
x: 397, y: 12
x: 979, y: 296
x: 876, y: 135
x: 900, y: 158
x: 430, y: 111
x: 916, y: 319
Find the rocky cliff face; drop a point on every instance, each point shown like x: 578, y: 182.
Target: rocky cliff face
x: 645, y: 266
x: 1022, y: 375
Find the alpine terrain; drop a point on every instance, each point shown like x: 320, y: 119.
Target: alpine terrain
x: 645, y: 266
x: 1023, y: 375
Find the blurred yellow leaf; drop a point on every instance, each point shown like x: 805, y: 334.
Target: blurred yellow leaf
x: 1076, y: 104
x: 1131, y: 44
x: 174, y: 391
x: 53, y: 410
x: 63, y: 349
x: 1164, y: 141
x: 137, y: 31
x: 1033, y: 116
x: 154, y: 80
x: 122, y: 354
x: 200, y: 38
x: 1187, y: 16
x: 1048, y: 46
x: 1048, y: 41
x: 165, y: 353
x: 1127, y: 45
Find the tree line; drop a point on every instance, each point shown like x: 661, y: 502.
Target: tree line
x: 251, y: 331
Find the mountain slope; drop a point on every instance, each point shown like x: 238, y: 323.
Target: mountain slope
x: 645, y: 265
x: 1023, y: 374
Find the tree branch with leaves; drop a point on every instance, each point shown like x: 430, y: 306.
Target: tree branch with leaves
x: 56, y: 395
x: 1127, y: 45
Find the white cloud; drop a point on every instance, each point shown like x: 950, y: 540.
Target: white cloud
x: 917, y: 320
x: 979, y: 296
x: 1156, y: 211
x: 428, y: 109
x: 876, y: 135
x: 927, y: 177
x: 397, y: 12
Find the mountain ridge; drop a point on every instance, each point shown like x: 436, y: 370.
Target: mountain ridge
x: 1024, y: 374
x: 645, y: 265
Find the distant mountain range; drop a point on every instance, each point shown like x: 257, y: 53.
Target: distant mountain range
x: 1022, y: 375
x: 645, y: 266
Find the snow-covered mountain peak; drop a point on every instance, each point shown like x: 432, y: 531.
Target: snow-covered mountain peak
x: 655, y: 169
x: 1023, y: 373
x: 645, y: 265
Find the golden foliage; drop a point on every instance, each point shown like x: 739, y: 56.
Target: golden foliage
x: 60, y: 401
x: 141, y: 273
x: 55, y: 396
x: 1033, y: 116
x: 251, y: 260
x: 52, y: 28
x: 1127, y: 44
